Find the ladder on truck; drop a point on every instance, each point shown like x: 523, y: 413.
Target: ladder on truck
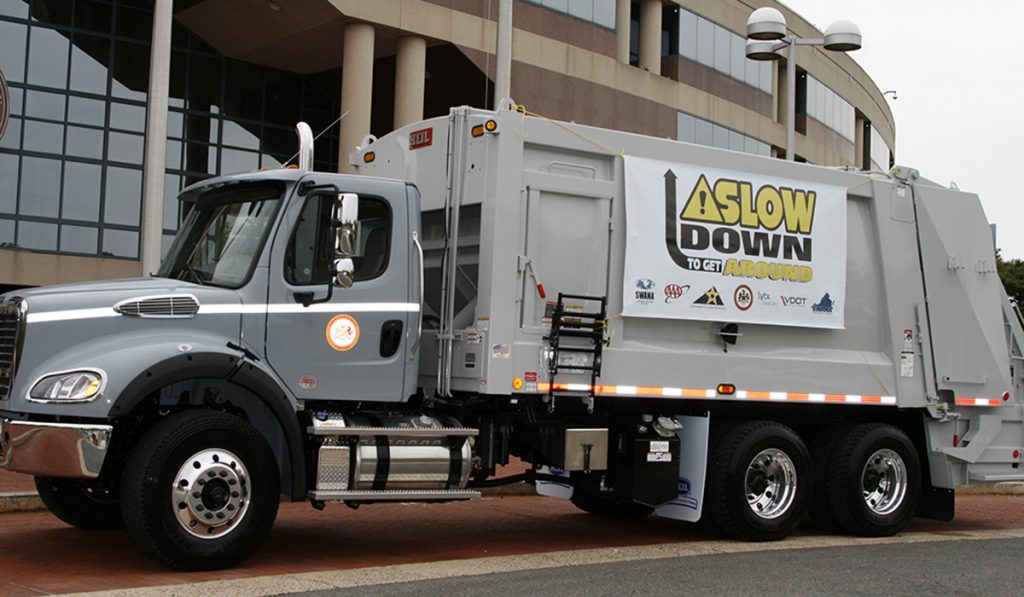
x: 575, y: 332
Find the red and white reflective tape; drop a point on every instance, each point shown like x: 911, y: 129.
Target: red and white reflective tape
x: 978, y: 402
x: 609, y: 390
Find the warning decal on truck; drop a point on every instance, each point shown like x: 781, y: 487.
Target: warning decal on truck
x: 766, y: 249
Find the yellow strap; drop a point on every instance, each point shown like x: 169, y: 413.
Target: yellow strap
x: 522, y: 109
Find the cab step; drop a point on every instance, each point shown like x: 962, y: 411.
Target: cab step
x: 394, y: 495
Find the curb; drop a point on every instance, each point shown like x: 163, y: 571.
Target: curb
x: 28, y: 501
x: 20, y: 501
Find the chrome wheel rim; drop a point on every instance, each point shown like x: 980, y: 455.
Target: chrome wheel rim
x: 770, y: 483
x: 210, y: 494
x: 884, y: 482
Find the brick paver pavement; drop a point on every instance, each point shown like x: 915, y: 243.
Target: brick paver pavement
x: 42, y: 554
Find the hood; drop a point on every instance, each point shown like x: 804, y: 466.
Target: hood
x: 107, y: 293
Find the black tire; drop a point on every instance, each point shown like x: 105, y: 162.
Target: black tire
x: 608, y: 508
x: 750, y: 459
x: 820, y: 509
x: 868, y: 502
x: 80, y: 503
x: 244, y: 488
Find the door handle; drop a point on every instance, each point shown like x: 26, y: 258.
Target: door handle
x: 390, y: 337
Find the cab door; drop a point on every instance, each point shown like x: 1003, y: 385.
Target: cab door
x: 328, y: 342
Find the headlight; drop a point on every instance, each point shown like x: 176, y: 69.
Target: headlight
x: 70, y: 386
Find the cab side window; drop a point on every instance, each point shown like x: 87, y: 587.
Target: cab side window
x: 310, y: 251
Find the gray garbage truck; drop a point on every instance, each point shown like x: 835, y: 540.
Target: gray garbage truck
x: 658, y: 328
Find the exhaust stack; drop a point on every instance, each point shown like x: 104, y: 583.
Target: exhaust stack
x: 305, y: 146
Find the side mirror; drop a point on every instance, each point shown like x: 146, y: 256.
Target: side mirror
x: 344, y: 272
x: 346, y: 224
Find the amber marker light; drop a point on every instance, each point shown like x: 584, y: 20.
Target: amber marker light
x: 491, y: 126
x: 369, y: 156
x: 477, y: 131
x: 726, y: 389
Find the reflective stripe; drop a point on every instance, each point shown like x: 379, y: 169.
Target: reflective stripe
x: 235, y: 309
x: 978, y: 401
x: 609, y: 390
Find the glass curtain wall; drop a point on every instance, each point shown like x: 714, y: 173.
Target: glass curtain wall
x: 71, y: 157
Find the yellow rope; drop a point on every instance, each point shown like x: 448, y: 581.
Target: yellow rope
x: 522, y: 110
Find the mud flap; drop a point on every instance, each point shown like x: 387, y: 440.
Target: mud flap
x: 693, y: 456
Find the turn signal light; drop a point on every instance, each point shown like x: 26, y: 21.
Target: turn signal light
x: 477, y: 131
x: 369, y: 156
x: 726, y: 389
x: 491, y: 126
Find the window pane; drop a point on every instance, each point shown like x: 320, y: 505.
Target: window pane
x: 736, y: 141
x: 14, y: 8
x: 79, y: 239
x: 89, y: 54
x: 723, y: 43
x: 765, y: 76
x: 17, y: 104
x: 237, y: 135
x: 752, y: 72
x: 704, y: 133
x: 12, y: 51
x: 131, y: 118
x: 233, y: 160
x: 87, y: 111
x: 130, y: 71
x: 688, y: 34
x: 8, y: 182
x: 171, y: 187
x: 121, y: 243
x: 44, y: 105
x: 85, y: 143
x: 38, y: 236
x: 123, y: 198
x: 48, y: 58
x: 583, y: 9
x: 172, y: 159
x: 125, y: 147
x: 81, y: 191
x: 6, y: 234
x: 686, y: 128
x: 93, y: 16
x: 604, y: 13
x: 40, y: 187
x: 738, y: 58
x: 705, y: 42
x: 44, y: 136
x: 720, y: 137
x: 12, y: 136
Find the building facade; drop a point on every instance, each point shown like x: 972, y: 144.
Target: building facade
x: 243, y: 72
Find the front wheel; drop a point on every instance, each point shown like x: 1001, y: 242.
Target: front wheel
x: 200, y: 491
x: 874, y: 480
x: 759, y: 481
x: 81, y: 504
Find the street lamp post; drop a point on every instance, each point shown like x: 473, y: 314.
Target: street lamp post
x: 766, y: 38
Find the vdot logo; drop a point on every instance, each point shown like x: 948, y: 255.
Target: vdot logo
x: 5, y: 104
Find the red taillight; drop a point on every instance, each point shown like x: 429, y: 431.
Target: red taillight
x: 956, y: 440
x: 1006, y: 396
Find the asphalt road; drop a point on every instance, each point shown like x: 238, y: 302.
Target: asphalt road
x: 974, y: 567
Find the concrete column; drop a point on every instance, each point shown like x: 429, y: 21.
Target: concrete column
x: 650, y: 35
x: 859, y: 144
x: 410, y: 72
x: 356, y: 90
x: 156, y: 137
x: 622, y: 32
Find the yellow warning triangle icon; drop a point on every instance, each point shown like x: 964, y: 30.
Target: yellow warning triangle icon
x: 701, y: 205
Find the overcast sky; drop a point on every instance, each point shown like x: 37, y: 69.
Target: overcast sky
x: 960, y: 114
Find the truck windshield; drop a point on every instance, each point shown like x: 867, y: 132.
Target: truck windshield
x: 222, y: 236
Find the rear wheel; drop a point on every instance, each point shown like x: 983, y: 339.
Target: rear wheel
x: 758, y: 481
x: 80, y: 503
x: 608, y: 508
x: 874, y: 480
x: 200, y: 491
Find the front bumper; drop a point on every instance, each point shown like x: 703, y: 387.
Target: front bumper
x: 54, y: 449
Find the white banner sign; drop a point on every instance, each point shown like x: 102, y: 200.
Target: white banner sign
x: 722, y: 245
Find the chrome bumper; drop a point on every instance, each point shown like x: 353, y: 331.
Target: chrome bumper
x: 53, y: 449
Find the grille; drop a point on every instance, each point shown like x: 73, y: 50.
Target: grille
x: 10, y: 343
x: 178, y: 305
